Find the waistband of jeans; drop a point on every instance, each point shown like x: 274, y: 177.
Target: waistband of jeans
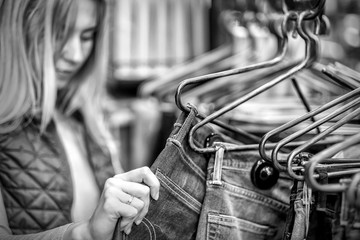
x: 183, y: 125
x: 241, y: 159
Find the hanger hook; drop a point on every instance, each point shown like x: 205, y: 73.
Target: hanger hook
x: 311, y: 45
x: 280, y: 56
x: 317, y: 8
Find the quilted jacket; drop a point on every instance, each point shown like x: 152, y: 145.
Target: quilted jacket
x: 35, y: 178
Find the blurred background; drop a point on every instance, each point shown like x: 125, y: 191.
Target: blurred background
x: 155, y: 44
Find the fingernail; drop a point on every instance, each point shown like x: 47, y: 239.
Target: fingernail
x: 128, y: 231
x: 156, y: 196
x: 138, y: 221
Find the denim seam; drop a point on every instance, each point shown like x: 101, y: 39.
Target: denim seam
x: 188, y: 160
x: 237, y: 163
x: 147, y: 226
x: 247, y: 225
x: 185, y: 128
x: 244, y: 168
x: 252, y: 195
x: 192, y: 203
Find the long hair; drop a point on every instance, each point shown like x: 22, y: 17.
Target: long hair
x: 27, y: 74
x: 31, y: 32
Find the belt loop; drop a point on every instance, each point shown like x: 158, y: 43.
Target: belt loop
x: 219, y: 157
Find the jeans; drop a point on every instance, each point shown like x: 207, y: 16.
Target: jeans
x: 233, y: 208
x: 290, y: 218
x: 182, y: 176
x: 298, y: 232
x: 322, y: 214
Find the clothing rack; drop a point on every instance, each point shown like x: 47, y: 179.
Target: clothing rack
x: 269, y: 140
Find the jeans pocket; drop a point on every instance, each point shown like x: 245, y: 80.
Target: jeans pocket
x: 174, y: 192
x: 174, y: 215
x: 224, y: 227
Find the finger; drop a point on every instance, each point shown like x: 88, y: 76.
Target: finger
x: 125, y: 222
x: 142, y: 192
x: 139, y: 205
x: 134, y: 194
x: 143, y: 175
x: 116, y: 209
x: 113, y: 197
x: 127, y: 230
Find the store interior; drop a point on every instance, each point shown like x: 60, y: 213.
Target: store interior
x: 280, y: 76
x: 156, y: 45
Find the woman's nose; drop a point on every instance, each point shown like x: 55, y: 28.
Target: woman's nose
x: 72, y: 51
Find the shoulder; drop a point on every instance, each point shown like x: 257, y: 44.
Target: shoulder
x: 27, y: 139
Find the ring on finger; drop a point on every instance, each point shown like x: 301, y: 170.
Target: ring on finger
x: 130, y: 200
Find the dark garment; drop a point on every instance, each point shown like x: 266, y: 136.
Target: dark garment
x: 182, y: 174
x: 320, y: 227
x: 347, y: 223
x: 36, y: 181
x: 290, y: 218
x: 322, y: 214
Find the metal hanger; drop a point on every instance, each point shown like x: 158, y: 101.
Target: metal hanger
x: 196, y: 80
x: 180, y: 71
x: 315, y: 139
x: 322, y: 135
x: 304, y: 5
x: 201, y: 79
x: 288, y: 125
x: 311, y: 53
x: 324, y: 157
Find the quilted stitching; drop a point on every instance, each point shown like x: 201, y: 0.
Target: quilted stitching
x: 34, y: 175
x: 37, y: 192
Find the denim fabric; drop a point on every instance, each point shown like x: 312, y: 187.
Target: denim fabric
x: 320, y: 225
x: 233, y: 208
x: 182, y: 175
x: 290, y: 218
x: 298, y: 232
x: 322, y: 215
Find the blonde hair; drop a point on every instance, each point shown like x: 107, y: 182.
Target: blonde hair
x: 30, y: 30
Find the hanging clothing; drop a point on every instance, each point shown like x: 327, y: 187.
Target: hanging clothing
x: 184, y: 176
x: 235, y: 209
x: 299, y: 229
x: 182, y: 173
x: 290, y: 218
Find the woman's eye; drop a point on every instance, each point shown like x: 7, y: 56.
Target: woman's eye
x: 87, y: 36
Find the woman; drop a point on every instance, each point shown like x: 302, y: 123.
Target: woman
x: 57, y: 157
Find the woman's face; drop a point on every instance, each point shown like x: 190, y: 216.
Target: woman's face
x: 79, y: 45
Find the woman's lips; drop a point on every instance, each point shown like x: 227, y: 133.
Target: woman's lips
x: 62, y: 78
x: 63, y: 74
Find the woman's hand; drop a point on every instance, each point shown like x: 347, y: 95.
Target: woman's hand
x: 126, y: 197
